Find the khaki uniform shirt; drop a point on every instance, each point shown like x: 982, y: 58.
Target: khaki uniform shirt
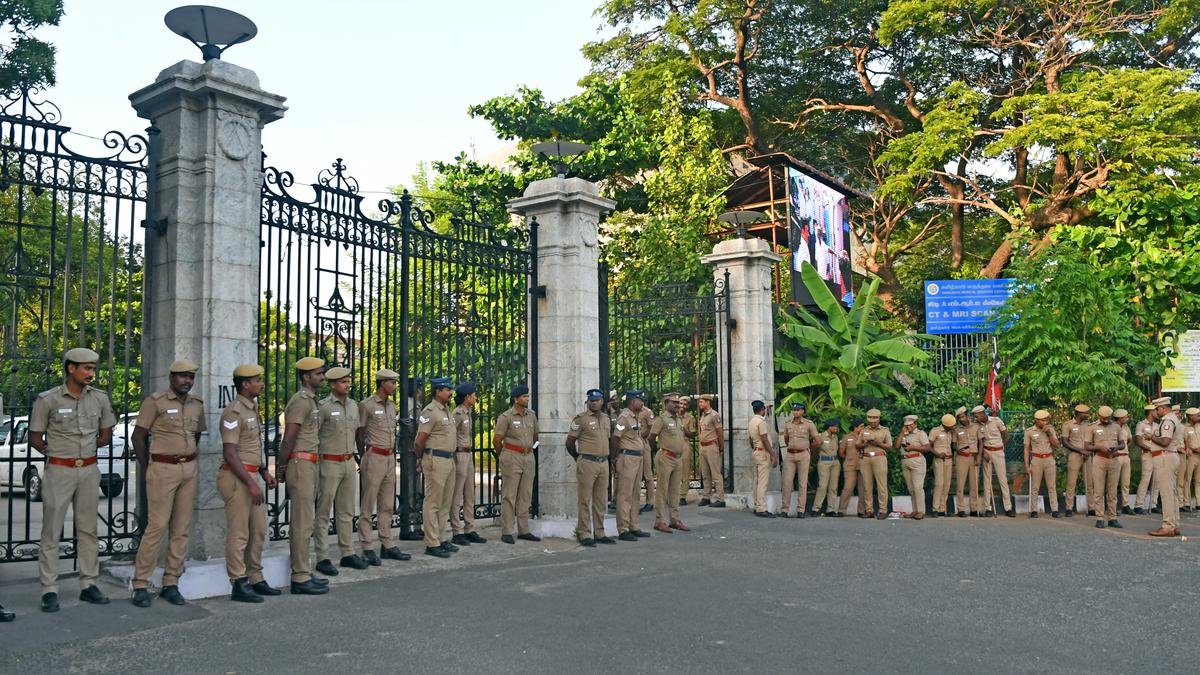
x: 942, y: 440
x: 378, y: 417
x: 462, y: 427
x: 1146, y: 430
x: 800, y: 435
x: 71, y: 424
x: 710, y: 423
x: 1191, y: 436
x: 645, y: 421
x: 435, y: 420
x: 853, y: 454
x: 914, y: 437
x: 878, y: 440
x: 240, y: 426
x: 172, y: 424
x: 829, y: 445
x: 1038, y: 441
x: 1170, y: 427
x: 517, y: 429
x: 339, y: 425
x: 302, y: 410
x: 991, y: 433
x: 966, y: 438
x: 1074, y: 434
x: 628, y: 431
x: 1125, y: 437
x: 591, y: 431
x: 1105, y: 435
x: 669, y: 430
x: 757, y: 429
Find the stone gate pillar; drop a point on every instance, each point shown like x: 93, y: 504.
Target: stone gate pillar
x: 568, y: 213
x: 749, y: 263
x: 202, y: 249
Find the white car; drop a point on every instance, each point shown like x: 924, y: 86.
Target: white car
x: 22, y: 468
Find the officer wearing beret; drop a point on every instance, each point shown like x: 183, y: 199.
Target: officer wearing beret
x: 1103, y: 441
x: 514, y: 440
x: 993, y: 436
x: 670, y: 438
x: 852, y: 478
x: 828, y: 469
x: 174, y: 421
x: 240, y: 481
x: 297, y: 466
x: 799, y: 435
x: 462, y: 508
x: 628, y: 446
x: 712, y: 440
x: 763, y: 452
x: 1074, y: 435
x: 874, y: 441
x: 376, y: 445
x: 338, y: 477
x: 434, y: 448
x: 913, y: 443
x: 587, y: 443
x: 1040, y: 444
x: 941, y: 452
x: 66, y: 425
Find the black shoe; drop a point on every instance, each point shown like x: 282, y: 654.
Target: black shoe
x: 646, y: 508
x: 242, y: 592
x: 172, y: 595
x: 354, y: 562
x: 962, y: 514
x: 606, y: 540
x: 1070, y: 513
x: 587, y: 541
x: 265, y: 589
x: 93, y: 595
x: 1091, y: 513
x: 448, y: 547
x: 460, y: 539
x: 1116, y: 523
x: 308, y: 588
x: 529, y: 536
x: 393, y: 553
x: 1056, y: 514
x: 319, y: 581
x: 437, y: 552
x: 326, y: 567
x: 1033, y: 514
x: 682, y: 501
x: 801, y: 514
x: 508, y: 539
x: 641, y: 535
x: 1140, y: 511
x: 784, y: 514
x: 719, y: 504
x: 1126, y: 510
x: 372, y: 559
x: 141, y: 597
x: 1011, y: 513
x: 1157, y: 509
x: 627, y: 536
x: 6, y: 615
x: 50, y: 602
x: 989, y: 514
x: 474, y: 538
x: 1101, y: 524
x: 704, y: 502
x: 882, y: 515
x: 1185, y: 509
x: 838, y: 514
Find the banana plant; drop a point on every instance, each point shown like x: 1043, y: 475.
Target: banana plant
x: 834, y: 362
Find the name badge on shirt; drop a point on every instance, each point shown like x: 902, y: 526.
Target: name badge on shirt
x: 172, y: 411
x: 334, y: 413
x: 516, y: 423
x: 64, y: 411
x: 378, y: 412
x: 1034, y: 436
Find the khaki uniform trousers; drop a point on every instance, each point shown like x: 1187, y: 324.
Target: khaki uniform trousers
x: 1166, y: 469
x: 762, y: 474
x: 1183, y: 482
x: 667, y: 504
x: 462, y: 508
x: 435, y: 510
x: 1076, y: 464
x: 875, y: 469
x: 516, y: 472
x: 993, y: 463
x: 629, y: 485
x: 828, y: 471
x: 591, y: 478
x: 687, y: 467
x: 302, y: 476
x: 1193, y: 483
x: 1106, y: 473
x: 852, y: 480
x: 378, y: 492
x: 710, y: 473
x: 170, y: 496
x: 943, y: 467
x: 795, y: 463
x: 914, y: 477
x: 1123, y: 463
x: 78, y: 488
x: 335, y: 490
x: 1043, y: 470
x: 966, y: 470
x: 648, y: 477
x: 1147, y: 486
x: 245, y: 528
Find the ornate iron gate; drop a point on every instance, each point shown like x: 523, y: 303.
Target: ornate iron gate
x: 70, y: 275
x: 424, y: 295
x: 667, y: 340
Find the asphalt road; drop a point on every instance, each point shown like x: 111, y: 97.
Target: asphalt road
x: 738, y: 594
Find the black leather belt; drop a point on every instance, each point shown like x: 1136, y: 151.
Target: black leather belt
x: 442, y: 453
x: 632, y: 453
x: 595, y: 458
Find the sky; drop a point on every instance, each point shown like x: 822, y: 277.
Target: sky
x: 383, y: 84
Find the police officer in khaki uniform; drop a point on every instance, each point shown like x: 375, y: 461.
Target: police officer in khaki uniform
x: 688, y: 466
x: 828, y: 470
x: 993, y: 436
x: 1103, y: 441
x: 174, y: 421
x: 515, y: 439
x: 1143, y: 436
x: 874, y: 441
x: 338, y: 473
x: 645, y: 421
x: 763, y: 452
x: 66, y: 425
x: 913, y: 444
x: 297, y: 467
x: 240, y: 481
x: 1074, y: 435
x: 799, y: 435
x: 669, y: 438
x: 1040, y: 444
x: 941, y: 451
x: 712, y: 440
x: 851, y: 476
x: 629, y: 446
x: 1168, y: 440
x: 966, y: 463
x: 462, y: 506
x: 1183, y: 478
x: 587, y: 443
x: 376, y: 444
x: 1191, y: 445
x: 434, y: 446
x: 1121, y: 416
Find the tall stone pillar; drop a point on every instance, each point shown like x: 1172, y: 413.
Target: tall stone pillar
x: 202, y: 261
x: 750, y: 350
x: 568, y: 214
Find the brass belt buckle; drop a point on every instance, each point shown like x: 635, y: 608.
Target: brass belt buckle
x: 78, y: 462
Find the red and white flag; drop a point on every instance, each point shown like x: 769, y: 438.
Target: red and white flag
x: 992, y: 397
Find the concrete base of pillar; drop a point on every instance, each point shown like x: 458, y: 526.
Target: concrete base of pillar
x: 206, y: 578
x: 564, y: 528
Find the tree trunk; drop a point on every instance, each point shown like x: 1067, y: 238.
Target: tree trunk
x: 998, y: 262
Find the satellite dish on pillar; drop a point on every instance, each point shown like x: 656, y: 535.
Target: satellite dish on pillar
x: 212, y: 29
x: 561, y: 150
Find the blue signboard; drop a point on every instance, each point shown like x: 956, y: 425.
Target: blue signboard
x: 964, y: 305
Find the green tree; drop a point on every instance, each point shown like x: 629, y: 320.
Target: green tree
x: 25, y: 61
